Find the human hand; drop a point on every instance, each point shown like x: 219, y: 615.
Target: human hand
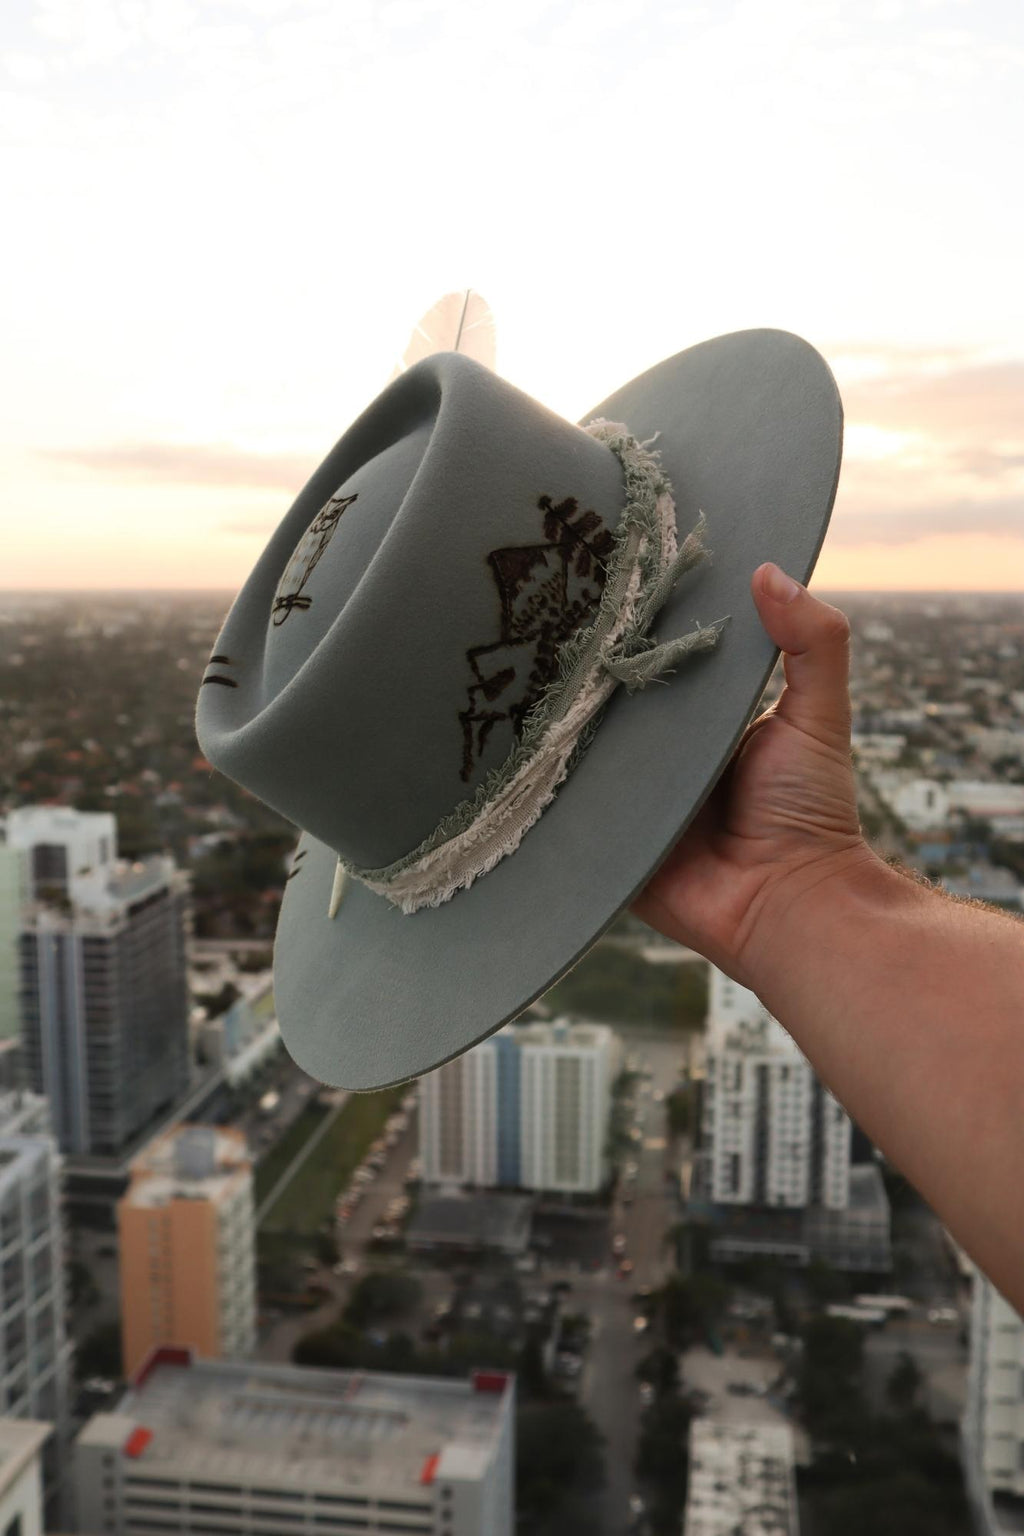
x: 782, y: 819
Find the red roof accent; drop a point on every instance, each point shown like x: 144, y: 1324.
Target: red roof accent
x: 429, y: 1468
x: 489, y: 1381
x: 137, y: 1441
x: 162, y: 1354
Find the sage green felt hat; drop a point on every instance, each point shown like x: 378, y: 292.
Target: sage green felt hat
x: 491, y: 664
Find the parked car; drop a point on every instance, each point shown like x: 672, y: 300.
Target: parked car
x: 943, y: 1316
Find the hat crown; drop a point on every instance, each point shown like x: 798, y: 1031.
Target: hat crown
x: 408, y: 611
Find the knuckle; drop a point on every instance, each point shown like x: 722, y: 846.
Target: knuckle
x: 835, y: 625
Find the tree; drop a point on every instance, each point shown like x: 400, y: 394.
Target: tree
x: 660, y: 1367
x: 621, y: 986
x: 689, y: 1305
x: 82, y: 1288
x: 661, y: 1459
x: 903, y: 1505
x: 677, y: 1112
x: 825, y: 1283
x: 829, y: 1381
x: 532, y: 1376
x: 904, y: 1383
x: 99, y: 1353
x: 559, y: 1451
x: 381, y: 1295
x: 325, y: 1245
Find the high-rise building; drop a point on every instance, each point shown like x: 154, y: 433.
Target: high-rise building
x: 242, y: 1038
x: 993, y: 1422
x: 776, y: 1148
x: 774, y: 1134
x: 35, y: 1353
x: 528, y: 1108
x: 103, y: 992
x: 10, y: 928
x: 187, y: 1246
x: 202, y: 1446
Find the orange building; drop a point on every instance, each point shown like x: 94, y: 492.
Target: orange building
x: 186, y: 1244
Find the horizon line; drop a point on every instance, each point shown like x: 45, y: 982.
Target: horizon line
x: 231, y: 592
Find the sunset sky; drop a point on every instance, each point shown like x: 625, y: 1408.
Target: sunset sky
x: 222, y: 219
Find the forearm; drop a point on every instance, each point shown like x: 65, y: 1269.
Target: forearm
x: 910, y: 1006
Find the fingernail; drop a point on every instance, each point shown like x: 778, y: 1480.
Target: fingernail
x: 778, y: 585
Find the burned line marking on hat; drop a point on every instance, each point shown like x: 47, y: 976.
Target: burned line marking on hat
x: 225, y: 682
x: 307, y: 554
x: 296, y: 862
x: 546, y: 591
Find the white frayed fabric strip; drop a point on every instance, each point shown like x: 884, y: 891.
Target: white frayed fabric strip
x: 646, y: 567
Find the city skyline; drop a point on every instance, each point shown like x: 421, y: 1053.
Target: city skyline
x: 247, y: 207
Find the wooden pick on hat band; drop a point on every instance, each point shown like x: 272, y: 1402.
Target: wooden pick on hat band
x: 641, y: 572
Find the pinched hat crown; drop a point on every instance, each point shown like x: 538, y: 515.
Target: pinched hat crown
x: 419, y: 625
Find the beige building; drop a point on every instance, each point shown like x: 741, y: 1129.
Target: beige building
x: 186, y: 1241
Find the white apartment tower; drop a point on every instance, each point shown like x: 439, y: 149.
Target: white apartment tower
x: 526, y: 1109
x: 566, y: 1082
x: 458, y: 1119
x: 775, y: 1135
x: 993, y: 1423
x: 103, y: 983
x: 35, y: 1353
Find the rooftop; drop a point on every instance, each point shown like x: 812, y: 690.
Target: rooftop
x: 282, y: 1426
x: 20, y: 1441
x: 741, y: 1479
x: 485, y: 1220
x: 565, y: 1033
x: 188, y: 1162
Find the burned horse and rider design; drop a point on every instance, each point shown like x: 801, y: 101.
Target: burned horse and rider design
x: 547, y: 591
x: 305, y: 557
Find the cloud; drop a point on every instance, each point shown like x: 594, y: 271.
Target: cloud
x: 986, y: 463
x: 248, y: 528
x: 935, y: 446
x: 190, y: 464
x: 972, y: 404
x: 905, y: 526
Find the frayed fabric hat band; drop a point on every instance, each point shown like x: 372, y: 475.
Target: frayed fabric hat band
x: 617, y: 649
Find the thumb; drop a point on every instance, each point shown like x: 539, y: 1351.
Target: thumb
x: 815, y: 640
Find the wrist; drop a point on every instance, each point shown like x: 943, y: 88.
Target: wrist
x: 803, y: 910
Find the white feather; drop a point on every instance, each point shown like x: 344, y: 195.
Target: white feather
x: 460, y: 322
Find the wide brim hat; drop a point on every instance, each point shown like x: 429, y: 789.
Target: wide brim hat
x: 389, y: 662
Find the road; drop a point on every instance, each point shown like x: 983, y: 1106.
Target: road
x: 610, y: 1390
